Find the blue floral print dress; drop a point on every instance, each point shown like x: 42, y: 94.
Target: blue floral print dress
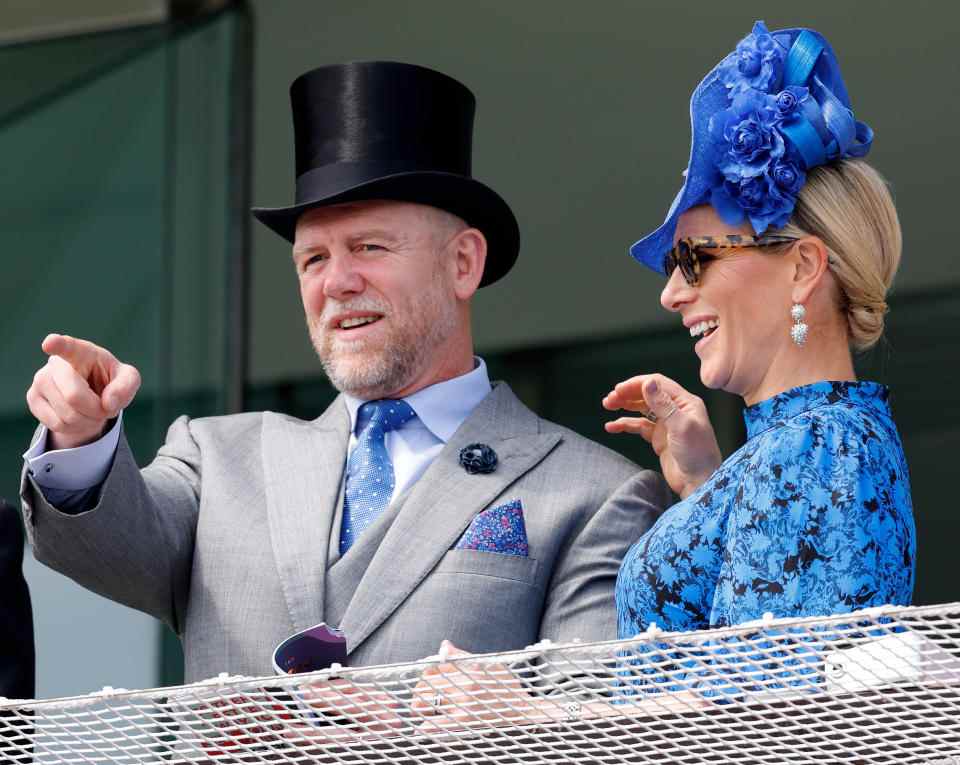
x: 812, y: 516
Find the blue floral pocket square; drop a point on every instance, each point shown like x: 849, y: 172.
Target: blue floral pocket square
x: 498, y: 530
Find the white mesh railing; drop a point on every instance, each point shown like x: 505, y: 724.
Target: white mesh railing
x: 876, y: 686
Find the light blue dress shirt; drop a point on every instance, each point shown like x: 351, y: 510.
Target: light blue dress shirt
x: 67, y: 475
x: 441, y: 409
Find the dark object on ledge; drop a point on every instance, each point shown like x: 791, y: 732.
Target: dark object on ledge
x: 17, y: 679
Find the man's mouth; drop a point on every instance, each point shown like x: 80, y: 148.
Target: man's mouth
x: 358, y: 321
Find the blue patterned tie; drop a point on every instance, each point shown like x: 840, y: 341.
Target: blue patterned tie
x: 370, y: 480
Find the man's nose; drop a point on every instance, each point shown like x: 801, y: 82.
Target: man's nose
x: 677, y: 292
x: 342, y: 277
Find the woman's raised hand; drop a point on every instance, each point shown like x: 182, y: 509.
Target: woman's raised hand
x: 674, y: 422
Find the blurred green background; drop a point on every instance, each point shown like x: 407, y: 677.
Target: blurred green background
x: 126, y: 160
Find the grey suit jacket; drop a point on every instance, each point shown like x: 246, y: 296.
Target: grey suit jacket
x: 228, y: 537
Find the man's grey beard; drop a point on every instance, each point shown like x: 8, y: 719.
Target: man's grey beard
x: 379, y: 368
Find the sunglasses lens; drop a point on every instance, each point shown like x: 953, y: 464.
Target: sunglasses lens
x: 669, y: 263
x: 687, y: 262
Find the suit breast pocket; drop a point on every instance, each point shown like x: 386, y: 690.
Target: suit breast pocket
x: 490, y: 564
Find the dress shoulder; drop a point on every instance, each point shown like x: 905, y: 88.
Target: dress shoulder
x: 822, y: 519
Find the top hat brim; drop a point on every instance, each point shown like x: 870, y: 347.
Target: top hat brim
x: 477, y: 204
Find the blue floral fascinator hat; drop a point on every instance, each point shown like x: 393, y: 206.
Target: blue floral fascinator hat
x: 765, y: 115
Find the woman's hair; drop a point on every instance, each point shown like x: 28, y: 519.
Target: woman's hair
x: 848, y: 206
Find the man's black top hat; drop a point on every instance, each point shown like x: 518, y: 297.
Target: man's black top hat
x: 384, y: 130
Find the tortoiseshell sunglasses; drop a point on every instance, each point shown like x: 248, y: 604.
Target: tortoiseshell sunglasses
x: 688, y: 253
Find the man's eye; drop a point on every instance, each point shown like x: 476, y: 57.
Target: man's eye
x: 314, y: 260
x: 370, y: 247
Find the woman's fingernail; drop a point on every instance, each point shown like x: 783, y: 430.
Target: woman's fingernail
x: 654, y: 388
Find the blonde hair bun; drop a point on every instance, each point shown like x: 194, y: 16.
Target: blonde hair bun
x: 848, y: 205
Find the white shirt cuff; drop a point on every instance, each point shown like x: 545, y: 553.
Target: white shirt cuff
x: 77, y: 469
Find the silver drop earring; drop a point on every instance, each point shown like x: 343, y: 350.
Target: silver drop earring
x: 798, y: 332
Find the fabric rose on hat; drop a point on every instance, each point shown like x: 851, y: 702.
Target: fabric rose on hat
x: 745, y: 136
x: 756, y: 64
x: 766, y: 200
x: 789, y: 102
x: 761, y: 180
x: 788, y: 178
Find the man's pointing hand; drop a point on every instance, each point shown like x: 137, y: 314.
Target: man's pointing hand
x: 78, y: 390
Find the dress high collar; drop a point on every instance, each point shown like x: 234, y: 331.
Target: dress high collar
x: 785, y: 406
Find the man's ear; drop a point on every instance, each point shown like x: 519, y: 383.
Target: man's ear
x: 469, y: 257
x: 811, y: 262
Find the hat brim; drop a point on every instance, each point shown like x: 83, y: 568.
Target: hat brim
x: 699, y: 177
x: 653, y: 248
x: 478, y: 205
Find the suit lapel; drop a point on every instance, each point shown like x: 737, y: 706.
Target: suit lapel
x: 303, y: 465
x: 345, y: 573
x: 441, y: 505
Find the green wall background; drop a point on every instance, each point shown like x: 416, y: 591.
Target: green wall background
x: 113, y: 223
x: 582, y: 125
